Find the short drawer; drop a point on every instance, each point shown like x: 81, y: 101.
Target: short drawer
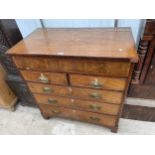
x: 78, y: 104
x: 98, y: 82
x: 74, y: 65
x: 91, y: 117
x: 45, y: 77
x: 49, y: 89
x: 98, y: 95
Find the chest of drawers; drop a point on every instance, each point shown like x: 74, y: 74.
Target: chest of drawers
x: 81, y: 74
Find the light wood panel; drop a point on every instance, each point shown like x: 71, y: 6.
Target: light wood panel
x: 7, y: 97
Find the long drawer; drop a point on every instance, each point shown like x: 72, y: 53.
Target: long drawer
x: 45, y: 77
x: 77, y: 104
x: 82, y: 93
x: 97, y: 82
x: 52, y: 111
x: 77, y: 65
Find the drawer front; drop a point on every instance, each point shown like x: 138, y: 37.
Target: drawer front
x: 91, y: 117
x: 78, y: 104
x: 89, y: 94
x: 45, y: 77
x: 49, y: 89
x: 98, y: 95
x: 98, y: 82
x: 74, y: 65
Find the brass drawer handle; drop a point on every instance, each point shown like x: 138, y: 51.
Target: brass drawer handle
x: 95, y: 107
x: 42, y: 78
x: 95, y: 118
x: 52, y: 101
x: 95, y: 95
x: 56, y: 111
x: 96, y: 84
x: 47, y: 90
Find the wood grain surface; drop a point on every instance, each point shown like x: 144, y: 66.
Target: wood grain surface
x: 101, y: 119
x: 98, y: 95
x: 45, y: 77
x: 84, y: 72
x: 74, y: 65
x: 7, y: 97
x: 49, y: 89
x: 80, y: 104
x: 81, y: 42
x: 97, y: 82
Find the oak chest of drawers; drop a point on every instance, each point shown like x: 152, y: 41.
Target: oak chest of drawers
x: 81, y: 73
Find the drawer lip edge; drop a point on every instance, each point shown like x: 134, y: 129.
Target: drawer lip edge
x: 53, y: 84
x: 99, y: 75
x: 123, y: 59
x: 44, y: 71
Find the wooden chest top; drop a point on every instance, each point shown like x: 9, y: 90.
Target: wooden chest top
x: 114, y: 43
